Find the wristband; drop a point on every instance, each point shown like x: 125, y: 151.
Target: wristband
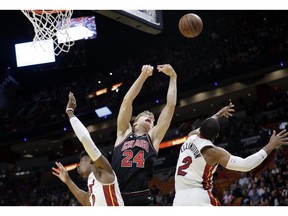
x: 70, y: 109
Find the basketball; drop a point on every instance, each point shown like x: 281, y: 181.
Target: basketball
x: 190, y: 25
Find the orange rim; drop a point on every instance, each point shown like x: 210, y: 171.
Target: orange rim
x: 40, y: 12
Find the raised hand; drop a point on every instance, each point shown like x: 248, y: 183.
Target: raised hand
x: 279, y: 139
x: 166, y: 69
x: 226, y: 111
x: 60, y: 172
x: 147, y: 70
x: 71, y: 102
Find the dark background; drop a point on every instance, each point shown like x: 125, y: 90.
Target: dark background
x: 89, y: 61
x: 236, y: 47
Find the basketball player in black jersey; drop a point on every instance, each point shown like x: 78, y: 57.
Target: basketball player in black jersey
x: 137, y: 145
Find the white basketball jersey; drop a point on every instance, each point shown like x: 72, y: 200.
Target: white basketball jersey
x: 192, y: 171
x: 104, y: 194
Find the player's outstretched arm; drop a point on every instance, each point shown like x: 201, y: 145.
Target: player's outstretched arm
x: 236, y: 163
x: 159, y: 130
x: 126, y: 109
x: 81, y: 195
x: 84, y: 136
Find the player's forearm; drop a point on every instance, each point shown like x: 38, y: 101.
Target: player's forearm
x: 168, y: 111
x: 268, y: 148
x: 83, y: 135
x: 216, y: 116
x: 80, y: 195
x: 247, y: 164
x: 70, y: 113
x: 172, y: 91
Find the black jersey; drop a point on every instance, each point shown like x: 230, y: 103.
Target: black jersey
x: 133, y: 162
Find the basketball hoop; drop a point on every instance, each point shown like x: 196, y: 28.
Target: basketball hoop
x: 51, y: 24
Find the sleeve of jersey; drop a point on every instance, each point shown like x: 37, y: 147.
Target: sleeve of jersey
x: 247, y: 164
x: 83, y: 135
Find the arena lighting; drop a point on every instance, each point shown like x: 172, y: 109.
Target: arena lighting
x: 103, y: 112
x: 30, y: 53
x: 101, y: 91
x: 90, y: 96
x: 22, y: 173
x: 173, y: 142
x: 116, y: 86
x: 71, y: 166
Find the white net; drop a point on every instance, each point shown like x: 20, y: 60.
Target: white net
x: 52, y: 24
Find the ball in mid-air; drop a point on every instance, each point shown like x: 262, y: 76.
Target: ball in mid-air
x: 190, y: 25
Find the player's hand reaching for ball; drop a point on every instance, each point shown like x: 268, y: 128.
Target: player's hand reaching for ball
x: 166, y: 69
x: 147, y: 70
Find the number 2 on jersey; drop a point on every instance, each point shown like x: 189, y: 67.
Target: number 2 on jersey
x: 138, y: 159
x: 187, y: 161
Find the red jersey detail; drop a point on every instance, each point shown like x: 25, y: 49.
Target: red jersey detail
x: 213, y: 200
x: 110, y: 196
x: 207, y: 175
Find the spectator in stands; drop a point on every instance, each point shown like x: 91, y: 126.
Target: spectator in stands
x: 243, y: 179
x: 235, y: 189
x: 245, y: 198
x: 275, y: 170
x: 264, y: 197
x: 227, y: 198
x: 252, y: 188
x: 275, y: 200
x: 199, y: 158
x: 254, y: 198
x: 102, y: 181
x: 280, y: 183
x: 137, y: 145
x: 284, y: 195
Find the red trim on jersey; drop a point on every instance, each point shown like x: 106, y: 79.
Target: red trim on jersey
x: 207, y: 177
x: 213, y: 200
x: 110, y: 195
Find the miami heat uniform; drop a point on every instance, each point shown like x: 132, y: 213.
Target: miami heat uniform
x: 104, y: 194
x: 193, y: 176
x: 133, y: 161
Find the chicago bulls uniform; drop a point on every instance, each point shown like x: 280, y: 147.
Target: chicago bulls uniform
x: 133, y: 161
x: 193, y: 176
x: 104, y: 194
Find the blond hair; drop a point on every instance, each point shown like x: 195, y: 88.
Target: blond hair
x: 146, y: 112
